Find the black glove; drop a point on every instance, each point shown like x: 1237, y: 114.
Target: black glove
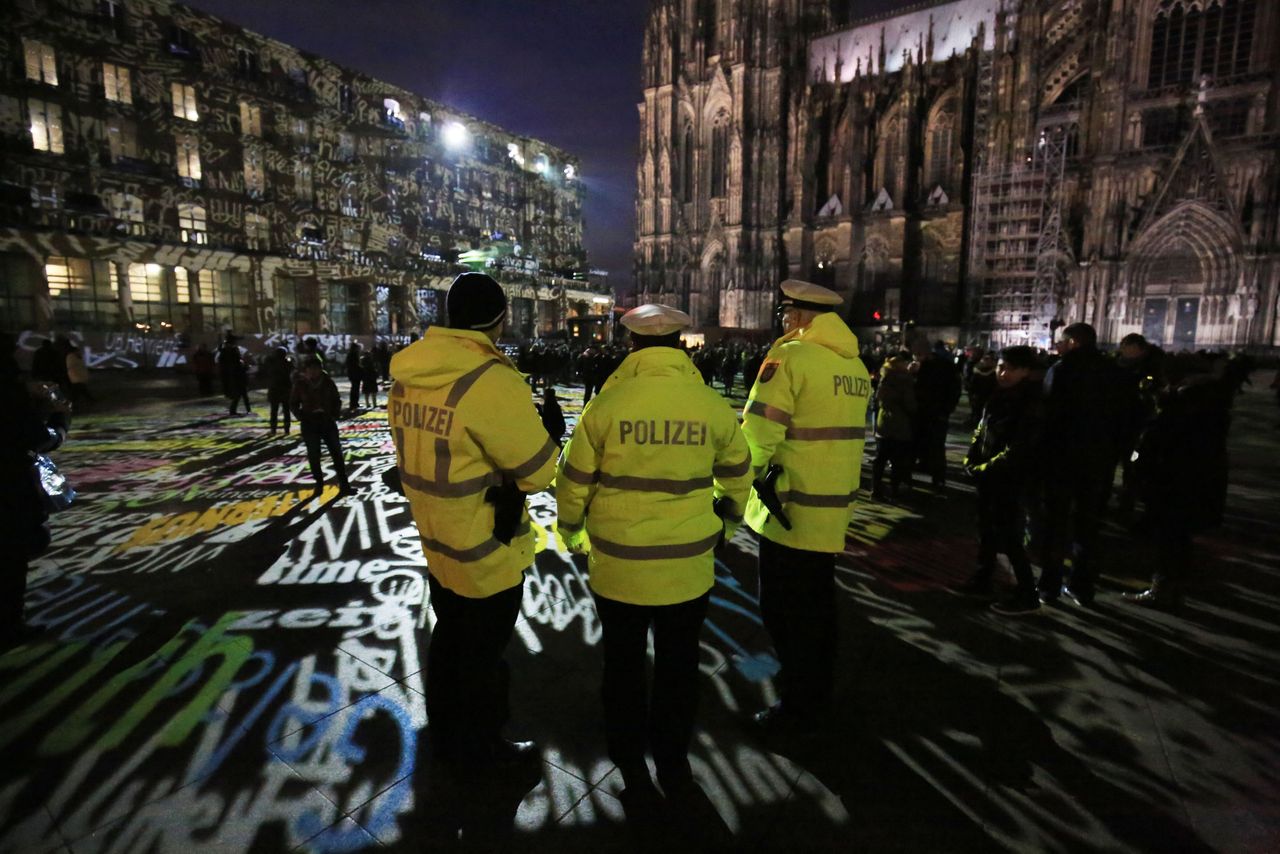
x: 767, y: 489
x: 391, y: 480
x: 508, y: 510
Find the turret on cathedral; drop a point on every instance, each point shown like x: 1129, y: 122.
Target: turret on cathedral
x: 984, y: 169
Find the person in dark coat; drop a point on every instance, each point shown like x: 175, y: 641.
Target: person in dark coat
x: 369, y: 380
x: 279, y: 370
x: 316, y: 404
x: 1141, y: 366
x: 355, y: 374
x: 46, y: 363
x: 938, y: 390
x: 1181, y: 469
x: 895, y: 412
x: 1003, y: 461
x: 1085, y: 410
x: 552, y: 415
x: 24, y: 430
x: 981, y: 384
x: 235, y: 373
x: 202, y: 365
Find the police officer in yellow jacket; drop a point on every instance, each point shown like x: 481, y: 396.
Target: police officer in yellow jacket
x: 806, y: 415
x: 654, y: 475
x: 469, y: 444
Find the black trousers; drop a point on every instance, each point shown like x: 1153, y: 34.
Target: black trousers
x: 1073, y: 503
x: 279, y: 404
x: 313, y: 433
x: 798, y: 604
x: 931, y: 446
x: 636, y: 719
x: 895, y: 453
x: 355, y: 392
x: 237, y: 394
x: 1002, y: 527
x: 468, y: 681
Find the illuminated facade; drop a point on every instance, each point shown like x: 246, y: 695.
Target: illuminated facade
x: 985, y: 170
x: 169, y: 175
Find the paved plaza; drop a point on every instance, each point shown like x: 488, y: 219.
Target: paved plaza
x: 230, y: 666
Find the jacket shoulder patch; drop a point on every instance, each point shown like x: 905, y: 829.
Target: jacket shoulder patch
x: 767, y: 370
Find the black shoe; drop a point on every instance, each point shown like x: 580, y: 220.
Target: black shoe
x: 978, y: 585
x: 779, y: 719
x: 1082, y: 597
x: 1154, y: 598
x: 1049, y: 595
x: 1017, y: 606
x: 318, y: 491
x: 504, y: 752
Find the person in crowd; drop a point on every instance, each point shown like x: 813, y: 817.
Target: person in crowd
x: 1085, y: 411
x: 369, y: 379
x: 25, y: 429
x: 1141, y: 371
x: 805, y: 424
x: 317, y: 405
x: 552, y: 415
x: 656, y: 474
x: 1181, y: 470
x: 729, y: 365
x: 980, y: 384
x: 355, y: 375
x: 77, y: 376
x: 279, y: 371
x: 470, y: 445
x: 235, y: 375
x: 382, y: 357
x: 895, y: 411
x: 937, y: 393
x: 1003, y: 458
x: 47, y: 364
x: 202, y: 365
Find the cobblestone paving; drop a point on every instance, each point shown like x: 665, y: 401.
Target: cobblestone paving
x: 229, y: 666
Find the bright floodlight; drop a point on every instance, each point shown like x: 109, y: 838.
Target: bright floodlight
x: 569, y: 172
x: 455, y: 135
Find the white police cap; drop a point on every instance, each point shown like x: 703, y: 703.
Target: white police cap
x: 804, y: 294
x: 656, y: 320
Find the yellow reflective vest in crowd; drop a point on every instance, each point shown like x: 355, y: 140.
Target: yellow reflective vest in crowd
x: 647, y: 458
x: 462, y: 419
x: 807, y: 412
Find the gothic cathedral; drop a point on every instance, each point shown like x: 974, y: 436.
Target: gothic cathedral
x: 985, y: 170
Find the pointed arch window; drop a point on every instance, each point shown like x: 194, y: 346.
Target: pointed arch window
x: 1190, y: 38
x: 720, y: 156
x: 686, y: 165
x: 941, y: 139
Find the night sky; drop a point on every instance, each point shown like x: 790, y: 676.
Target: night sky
x: 565, y: 71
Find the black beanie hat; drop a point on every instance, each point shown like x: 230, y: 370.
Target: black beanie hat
x: 475, y: 301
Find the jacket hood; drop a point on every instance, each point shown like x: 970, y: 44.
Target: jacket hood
x: 654, y: 362
x: 827, y: 330
x: 442, y: 356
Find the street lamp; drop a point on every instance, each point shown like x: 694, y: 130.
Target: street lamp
x: 145, y: 329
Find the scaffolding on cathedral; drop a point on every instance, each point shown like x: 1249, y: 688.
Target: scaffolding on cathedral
x: 1018, y: 244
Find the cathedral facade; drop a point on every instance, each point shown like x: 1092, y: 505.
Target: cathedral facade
x: 981, y: 170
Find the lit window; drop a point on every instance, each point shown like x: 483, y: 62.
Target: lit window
x: 61, y: 278
x: 46, y: 126
x: 183, y: 283
x: 391, y: 112
x: 514, y: 152
x: 184, y: 101
x: 188, y: 156
x: 115, y: 83
x: 122, y: 138
x: 246, y: 62
x: 303, y: 188
x: 127, y: 208
x: 192, y: 223
x: 346, y: 100
x: 257, y: 230
x: 250, y: 119
x: 301, y: 132
x: 255, y: 178
x: 146, y: 282
x: 42, y: 64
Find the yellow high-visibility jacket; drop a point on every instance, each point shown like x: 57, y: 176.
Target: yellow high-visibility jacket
x: 462, y: 419
x: 647, y: 458
x: 807, y: 412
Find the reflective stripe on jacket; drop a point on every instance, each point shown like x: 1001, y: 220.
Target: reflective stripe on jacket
x: 647, y: 458
x: 462, y: 419
x: 807, y: 412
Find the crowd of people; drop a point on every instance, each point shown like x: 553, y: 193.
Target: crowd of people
x: 1051, y: 432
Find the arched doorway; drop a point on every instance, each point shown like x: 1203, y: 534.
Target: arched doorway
x: 1183, y: 271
